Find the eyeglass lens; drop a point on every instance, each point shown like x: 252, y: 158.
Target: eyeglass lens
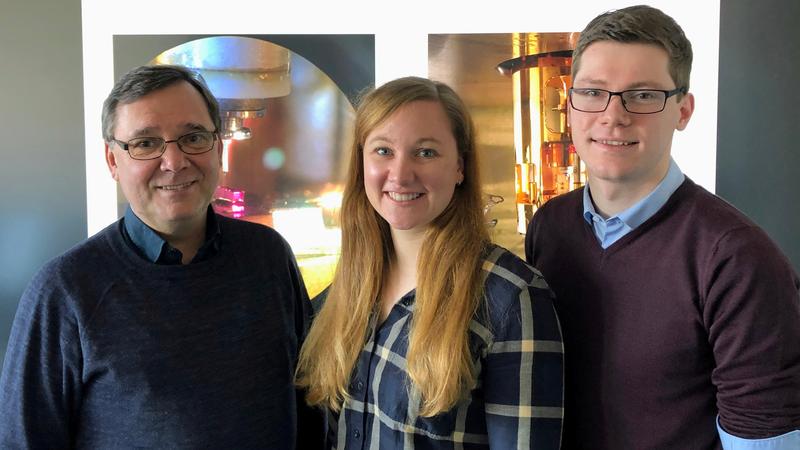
x: 636, y: 101
x: 152, y: 147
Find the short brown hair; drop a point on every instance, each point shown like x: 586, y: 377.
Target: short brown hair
x: 640, y: 24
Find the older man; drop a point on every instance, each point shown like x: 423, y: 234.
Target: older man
x: 173, y: 327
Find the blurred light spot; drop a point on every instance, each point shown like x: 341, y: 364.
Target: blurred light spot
x: 274, y: 158
x: 226, y: 147
x: 321, y: 109
x: 331, y: 199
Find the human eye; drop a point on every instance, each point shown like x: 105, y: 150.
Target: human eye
x: 588, y: 92
x: 145, y: 143
x: 196, y: 139
x: 644, y: 96
x: 382, y: 151
x: 427, y: 153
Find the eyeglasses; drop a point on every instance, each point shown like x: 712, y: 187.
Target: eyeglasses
x: 637, y: 101
x: 193, y: 143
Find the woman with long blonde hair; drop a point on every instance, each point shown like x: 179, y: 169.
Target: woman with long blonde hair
x: 430, y: 336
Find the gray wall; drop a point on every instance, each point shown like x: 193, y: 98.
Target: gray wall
x: 42, y: 175
x: 758, y: 151
x: 42, y: 168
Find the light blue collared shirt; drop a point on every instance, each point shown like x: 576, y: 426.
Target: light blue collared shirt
x: 612, y: 229
x: 787, y: 441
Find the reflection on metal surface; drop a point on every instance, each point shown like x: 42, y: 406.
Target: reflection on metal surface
x: 491, y: 201
x: 286, y: 171
x: 546, y: 162
x: 514, y: 116
x: 241, y: 72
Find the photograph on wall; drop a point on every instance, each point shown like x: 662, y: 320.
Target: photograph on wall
x: 286, y: 126
x: 516, y: 85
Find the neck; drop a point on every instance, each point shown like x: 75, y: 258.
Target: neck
x: 406, y: 249
x: 401, y: 275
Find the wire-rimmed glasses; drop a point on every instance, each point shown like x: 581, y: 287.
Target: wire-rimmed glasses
x: 149, y: 147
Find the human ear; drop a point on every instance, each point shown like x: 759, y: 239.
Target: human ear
x: 686, y: 108
x: 111, y: 161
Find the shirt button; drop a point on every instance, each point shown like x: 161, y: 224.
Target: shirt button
x: 356, y: 434
x: 359, y: 384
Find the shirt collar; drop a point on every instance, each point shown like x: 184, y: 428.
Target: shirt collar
x: 155, y: 249
x: 647, y: 206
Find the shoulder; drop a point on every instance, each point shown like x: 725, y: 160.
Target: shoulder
x: 65, y: 281
x: 714, y: 221
x: 727, y: 244
x: 252, y: 236
x: 93, y: 253
x: 562, y: 211
x: 517, y: 296
x: 567, y: 203
x: 710, y: 212
x: 504, y: 267
x: 509, y: 279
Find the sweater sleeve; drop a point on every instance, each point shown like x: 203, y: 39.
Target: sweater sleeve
x: 41, y: 377
x: 752, y: 315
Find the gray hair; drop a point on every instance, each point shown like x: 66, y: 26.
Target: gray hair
x: 143, y: 80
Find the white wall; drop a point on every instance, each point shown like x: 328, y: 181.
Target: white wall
x: 400, y: 30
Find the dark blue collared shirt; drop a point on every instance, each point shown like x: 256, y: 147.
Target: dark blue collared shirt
x: 150, y: 246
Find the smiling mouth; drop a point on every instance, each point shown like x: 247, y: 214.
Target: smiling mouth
x: 176, y: 187
x: 615, y: 143
x: 398, y: 197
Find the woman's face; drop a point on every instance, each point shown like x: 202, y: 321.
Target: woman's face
x: 412, y: 165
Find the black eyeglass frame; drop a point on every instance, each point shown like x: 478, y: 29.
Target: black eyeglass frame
x: 126, y: 145
x: 667, y: 95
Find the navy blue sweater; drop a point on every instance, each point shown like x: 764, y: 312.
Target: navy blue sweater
x: 108, y: 350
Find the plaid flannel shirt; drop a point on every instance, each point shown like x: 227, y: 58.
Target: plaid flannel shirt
x: 515, y: 339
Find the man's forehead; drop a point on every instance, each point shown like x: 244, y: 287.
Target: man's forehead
x: 178, y: 107
x: 624, y: 65
x: 156, y: 130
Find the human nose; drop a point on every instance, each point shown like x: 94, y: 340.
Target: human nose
x: 173, y: 159
x: 401, y: 170
x: 615, y: 113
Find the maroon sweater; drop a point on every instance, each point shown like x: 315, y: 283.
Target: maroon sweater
x: 694, y: 313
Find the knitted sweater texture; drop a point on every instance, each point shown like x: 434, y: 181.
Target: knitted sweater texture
x: 111, y: 351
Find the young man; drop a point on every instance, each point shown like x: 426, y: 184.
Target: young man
x: 173, y: 327
x: 681, y: 318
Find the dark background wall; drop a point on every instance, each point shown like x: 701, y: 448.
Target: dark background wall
x: 758, y: 150
x: 42, y: 174
x: 42, y: 157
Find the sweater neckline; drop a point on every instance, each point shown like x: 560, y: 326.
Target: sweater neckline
x: 138, y: 264
x: 676, y: 197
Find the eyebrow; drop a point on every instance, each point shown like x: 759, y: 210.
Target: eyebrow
x: 153, y: 131
x: 378, y: 139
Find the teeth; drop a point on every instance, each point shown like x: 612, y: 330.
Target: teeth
x: 175, y: 187
x: 403, y: 197
x: 615, y: 142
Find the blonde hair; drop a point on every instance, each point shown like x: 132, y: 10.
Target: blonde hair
x: 449, y: 275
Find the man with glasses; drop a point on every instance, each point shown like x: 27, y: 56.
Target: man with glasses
x: 681, y: 318
x: 173, y: 327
